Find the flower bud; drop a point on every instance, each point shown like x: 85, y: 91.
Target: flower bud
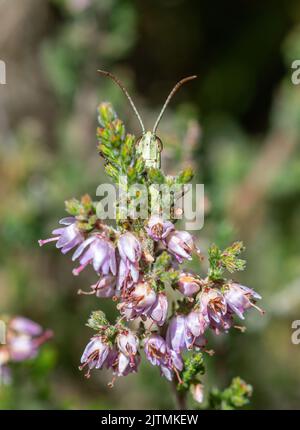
x: 197, y: 391
x: 188, y: 284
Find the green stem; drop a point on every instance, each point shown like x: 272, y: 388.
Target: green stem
x: 180, y: 398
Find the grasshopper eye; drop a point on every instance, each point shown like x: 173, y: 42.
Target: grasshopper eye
x: 159, y: 144
x: 138, y: 140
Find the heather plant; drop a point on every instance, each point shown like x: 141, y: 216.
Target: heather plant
x: 139, y: 264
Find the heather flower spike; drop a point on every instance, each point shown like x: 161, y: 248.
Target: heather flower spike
x: 139, y: 262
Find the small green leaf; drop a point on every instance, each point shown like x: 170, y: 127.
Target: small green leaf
x: 185, y: 176
x: 97, y: 320
x: 225, y: 260
x: 72, y: 206
x: 193, y: 368
x: 156, y: 176
x: 106, y: 114
x: 235, y: 396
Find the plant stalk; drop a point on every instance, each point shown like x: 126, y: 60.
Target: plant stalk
x: 180, y: 398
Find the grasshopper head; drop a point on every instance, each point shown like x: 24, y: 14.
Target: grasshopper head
x: 149, y: 147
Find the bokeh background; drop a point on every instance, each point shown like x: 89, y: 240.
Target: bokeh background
x: 238, y: 124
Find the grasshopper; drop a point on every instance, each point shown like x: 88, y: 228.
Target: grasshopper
x: 149, y: 145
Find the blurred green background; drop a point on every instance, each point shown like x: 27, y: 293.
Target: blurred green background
x: 238, y: 123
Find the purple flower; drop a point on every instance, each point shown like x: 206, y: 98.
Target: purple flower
x: 158, y: 312
x: 142, y: 301
x: 66, y: 237
x: 213, y: 305
x: 105, y: 287
x: 95, y: 354
x: 129, y: 248
x: 126, y: 365
x: 130, y: 251
x: 188, y: 284
x: 25, y: 326
x: 176, y: 334
x: 22, y: 347
x: 100, y: 252
x: 159, y: 229
x: 138, y: 301
x: 24, y: 338
x: 182, y: 336
x: 128, y: 274
x: 155, y: 349
x: 128, y: 343
x: 124, y: 357
x: 122, y: 364
x: 223, y: 325
x: 180, y: 244
x: 238, y: 298
x: 196, y: 324
x: 159, y: 354
x: 173, y: 364
x: 128, y: 358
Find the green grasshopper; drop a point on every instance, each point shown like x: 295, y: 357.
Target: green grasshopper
x: 149, y: 145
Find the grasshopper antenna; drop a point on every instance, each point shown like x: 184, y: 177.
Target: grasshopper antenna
x: 174, y: 90
x: 118, y: 82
